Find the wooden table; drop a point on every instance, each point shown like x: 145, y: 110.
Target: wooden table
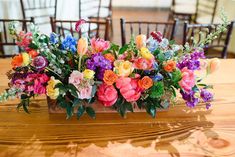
x: 180, y: 132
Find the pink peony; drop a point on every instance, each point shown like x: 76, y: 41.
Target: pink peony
x: 188, y: 79
x: 107, y: 94
x: 99, y: 45
x: 85, y: 93
x: 75, y: 77
x: 129, y: 88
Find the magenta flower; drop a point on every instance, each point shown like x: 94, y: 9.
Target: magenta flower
x: 78, y: 24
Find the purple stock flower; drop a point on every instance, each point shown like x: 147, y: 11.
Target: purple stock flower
x: 40, y: 63
x: 206, y: 95
x: 99, y: 64
x: 191, y: 61
x: 191, y: 100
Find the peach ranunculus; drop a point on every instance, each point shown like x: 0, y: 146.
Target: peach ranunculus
x: 140, y: 41
x: 17, y: 61
x: 143, y: 64
x: 188, y: 79
x: 110, y: 77
x: 123, y: 68
x: 129, y: 88
x: 107, y: 94
x: 85, y: 93
x: 82, y: 46
x: 109, y: 57
x: 170, y: 66
x: 213, y: 65
x: 99, y: 45
x: 145, y: 83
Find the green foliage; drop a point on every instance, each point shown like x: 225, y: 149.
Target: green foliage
x: 157, y: 90
x: 91, y: 112
x: 123, y: 49
x: 80, y: 111
x: 176, y: 77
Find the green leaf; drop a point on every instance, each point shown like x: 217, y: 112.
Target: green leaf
x: 91, y: 112
x: 122, y: 110
x: 156, y: 52
x: 172, y: 42
x: 91, y: 100
x: 153, y: 111
x: 73, y: 90
x: 123, y: 49
x: 61, y: 88
x: 129, y: 106
x: 161, y: 57
x: 173, y: 91
x: 76, y: 102
x: 139, y: 104
x: 25, y: 104
x: 69, y: 111
x: 80, y: 111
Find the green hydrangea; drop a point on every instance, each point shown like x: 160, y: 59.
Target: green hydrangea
x: 157, y: 90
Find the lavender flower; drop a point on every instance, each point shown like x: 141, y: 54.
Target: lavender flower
x: 157, y: 77
x: 54, y: 38
x: 206, y: 95
x: 191, y: 100
x: 99, y: 64
x: 152, y: 44
x: 40, y: 63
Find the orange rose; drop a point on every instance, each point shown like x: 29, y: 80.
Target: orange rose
x: 17, y: 61
x: 169, y: 66
x: 33, y: 53
x: 109, y: 57
x: 145, y: 83
x: 109, y: 77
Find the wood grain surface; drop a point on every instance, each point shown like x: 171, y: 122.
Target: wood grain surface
x: 178, y: 132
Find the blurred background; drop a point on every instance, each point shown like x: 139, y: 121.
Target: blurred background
x: 60, y: 16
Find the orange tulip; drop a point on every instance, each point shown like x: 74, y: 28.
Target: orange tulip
x: 140, y: 41
x: 82, y: 46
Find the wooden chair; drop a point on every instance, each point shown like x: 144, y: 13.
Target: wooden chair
x: 206, y: 11
x: 40, y: 9
x: 94, y: 28
x: 146, y: 27
x: 183, y: 9
x: 5, y: 38
x: 96, y: 9
x: 218, y: 45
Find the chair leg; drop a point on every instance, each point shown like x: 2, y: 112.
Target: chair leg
x: 1, y: 46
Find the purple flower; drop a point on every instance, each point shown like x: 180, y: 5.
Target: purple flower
x: 99, y: 64
x: 40, y: 63
x: 191, y: 100
x: 206, y: 95
x: 208, y: 105
x: 191, y: 61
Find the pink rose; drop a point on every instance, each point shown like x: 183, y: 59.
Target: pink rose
x: 129, y: 88
x: 107, y: 94
x: 188, y: 79
x: 75, y: 77
x: 85, y: 93
x: 99, y: 45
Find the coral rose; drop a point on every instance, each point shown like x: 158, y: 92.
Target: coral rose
x: 188, y: 79
x: 129, y: 88
x: 143, y: 64
x: 109, y: 57
x: 109, y: 77
x: 99, y: 45
x: 170, y: 66
x: 145, y: 83
x: 107, y: 94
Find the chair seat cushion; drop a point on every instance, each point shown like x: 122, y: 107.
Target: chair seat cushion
x: 207, y: 19
x: 184, y: 9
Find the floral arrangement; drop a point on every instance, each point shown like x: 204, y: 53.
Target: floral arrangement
x: 146, y: 73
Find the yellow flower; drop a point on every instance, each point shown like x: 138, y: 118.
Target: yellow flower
x: 89, y: 74
x: 26, y: 59
x: 145, y: 53
x: 140, y: 41
x: 52, y: 92
x: 123, y: 68
x: 82, y: 46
